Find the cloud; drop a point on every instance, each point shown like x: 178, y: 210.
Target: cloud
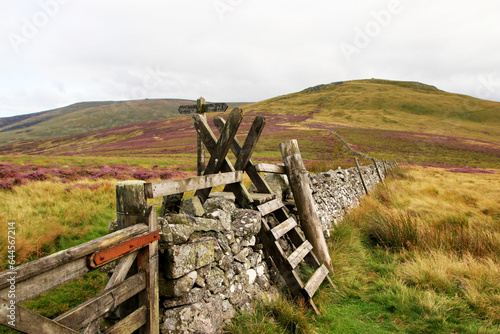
x: 238, y: 50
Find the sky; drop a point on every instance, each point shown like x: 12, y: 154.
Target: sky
x: 55, y: 53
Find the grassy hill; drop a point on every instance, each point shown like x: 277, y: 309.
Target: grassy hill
x: 391, y: 105
x: 86, y: 117
x: 404, y: 121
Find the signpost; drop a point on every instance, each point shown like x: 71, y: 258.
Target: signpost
x: 201, y: 108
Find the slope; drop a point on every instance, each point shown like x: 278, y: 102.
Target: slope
x: 85, y: 117
x: 391, y: 105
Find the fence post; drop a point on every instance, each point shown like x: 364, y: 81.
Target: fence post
x: 378, y: 171
x: 130, y: 202
x: 361, y: 175
x: 300, y: 185
x: 130, y: 205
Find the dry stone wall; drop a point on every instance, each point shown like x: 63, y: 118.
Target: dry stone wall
x: 212, y: 262
x: 211, y: 265
x: 337, y: 191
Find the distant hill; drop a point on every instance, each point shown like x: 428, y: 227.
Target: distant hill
x: 394, y: 120
x: 86, y: 117
x: 391, y: 105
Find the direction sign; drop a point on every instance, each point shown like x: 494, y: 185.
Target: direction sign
x: 209, y: 107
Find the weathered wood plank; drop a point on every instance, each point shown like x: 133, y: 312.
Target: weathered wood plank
x: 299, y: 254
x: 270, y: 168
x: 210, y: 141
x: 315, y: 280
x: 250, y: 143
x: 28, y: 321
x: 378, y: 170
x: 260, y: 198
x: 361, y: 175
x: 270, y: 206
x: 149, y: 264
x: 301, y: 189
x: 217, y: 157
x: 283, y: 228
x: 83, y: 314
x: 169, y: 187
x: 130, y: 202
x: 130, y: 323
x: 257, y: 180
x: 291, y: 278
x: 55, y: 260
x: 118, y: 276
x: 35, y: 286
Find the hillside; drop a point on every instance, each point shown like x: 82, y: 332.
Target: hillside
x: 86, y: 117
x: 391, y: 105
x: 404, y: 121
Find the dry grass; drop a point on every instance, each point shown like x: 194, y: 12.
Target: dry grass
x: 50, y: 216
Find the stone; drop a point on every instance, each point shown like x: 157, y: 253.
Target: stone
x: 194, y: 296
x: 177, y: 287
x: 174, y: 234
x: 202, y: 275
x: 113, y: 226
x: 249, y: 242
x: 219, y: 203
x: 246, y: 222
x: 279, y: 185
x: 252, y: 275
x: 202, y: 317
x: 192, y: 206
x: 216, y: 281
x: 182, y: 259
x: 221, y: 220
x: 243, y: 255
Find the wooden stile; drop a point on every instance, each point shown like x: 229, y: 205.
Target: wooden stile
x: 170, y: 187
x: 299, y: 183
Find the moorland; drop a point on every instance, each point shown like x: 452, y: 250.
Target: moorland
x: 421, y: 254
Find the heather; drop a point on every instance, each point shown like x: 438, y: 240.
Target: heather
x: 12, y: 174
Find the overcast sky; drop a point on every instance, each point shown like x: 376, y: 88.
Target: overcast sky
x: 58, y: 52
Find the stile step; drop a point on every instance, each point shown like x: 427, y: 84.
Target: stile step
x: 270, y: 206
x: 260, y: 198
x: 315, y: 281
x: 298, y: 255
x: 283, y: 228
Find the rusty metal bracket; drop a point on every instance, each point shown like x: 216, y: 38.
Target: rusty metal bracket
x: 100, y: 258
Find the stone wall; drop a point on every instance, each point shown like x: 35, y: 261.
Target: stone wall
x: 337, y: 191
x: 211, y: 265
x: 212, y: 262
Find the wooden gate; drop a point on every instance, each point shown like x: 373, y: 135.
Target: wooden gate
x: 135, y: 246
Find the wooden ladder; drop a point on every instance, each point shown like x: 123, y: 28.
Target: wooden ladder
x: 288, y: 265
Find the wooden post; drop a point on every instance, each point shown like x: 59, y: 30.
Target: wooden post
x: 130, y: 202
x: 361, y: 175
x: 385, y: 167
x: 200, y: 103
x: 300, y: 185
x: 130, y: 205
x: 378, y: 171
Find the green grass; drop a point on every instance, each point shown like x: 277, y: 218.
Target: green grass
x: 397, y: 272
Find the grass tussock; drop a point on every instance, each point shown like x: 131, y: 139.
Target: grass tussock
x: 419, y: 255
x: 277, y: 315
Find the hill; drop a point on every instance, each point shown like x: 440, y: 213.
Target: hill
x: 407, y: 121
x: 391, y: 105
x: 86, y: 117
